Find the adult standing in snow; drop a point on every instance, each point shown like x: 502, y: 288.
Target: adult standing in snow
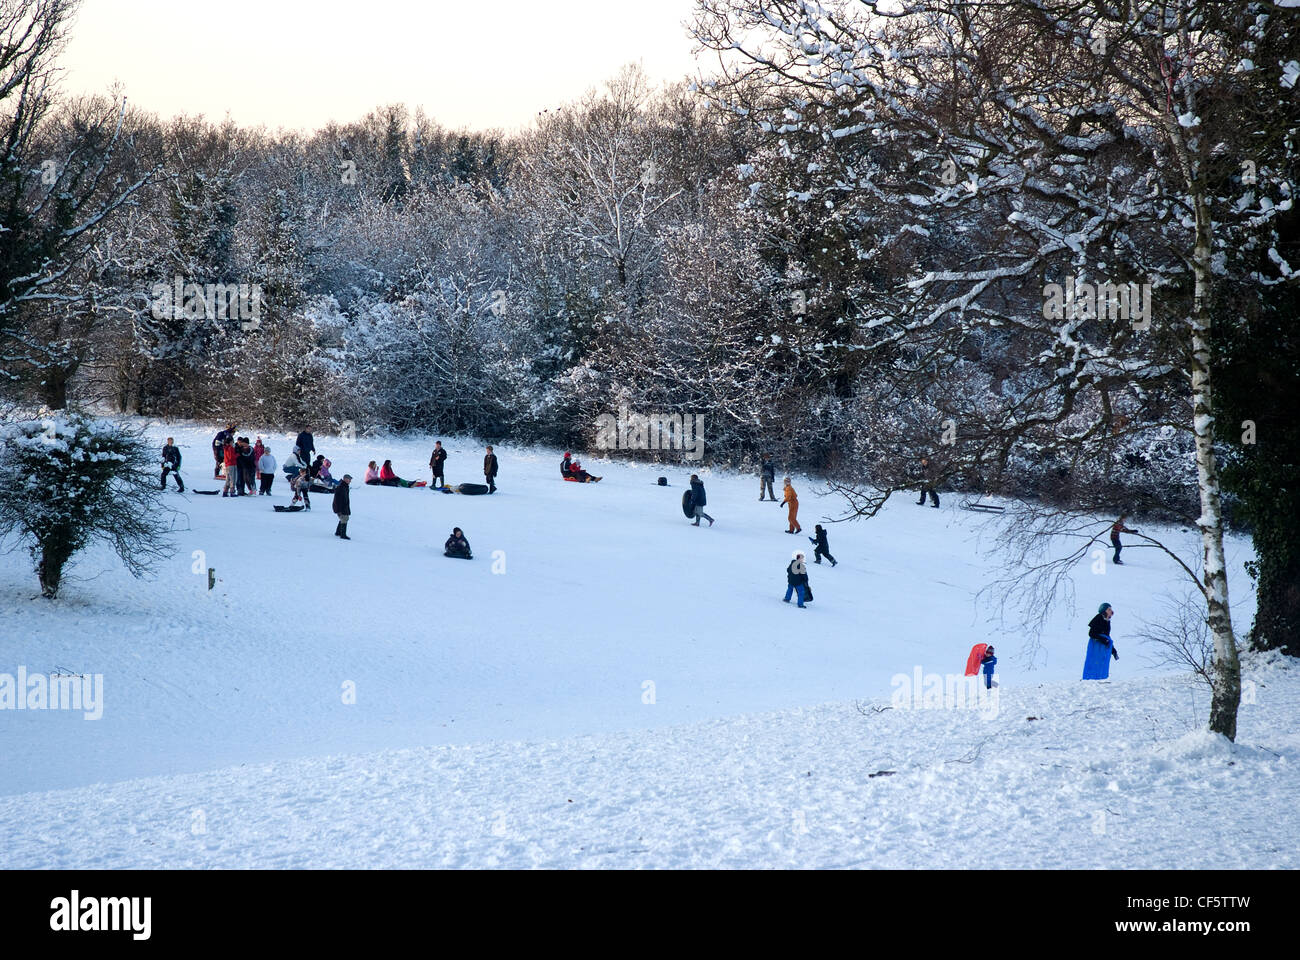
x: 766, y: 477
x: 698, y: 500
x: 1101, y: 649
x: 927, y: 484
x: 436, y: 461
x: 266, y: 466
x: 306, y: 445
x: 796, y: 578
x: 343, y: 506
x: 490, y: 470
x: 1116, y: 529
x: 247, y: 467
x: 823, y: 549
x: 171, y: 463
x: 791, y: 499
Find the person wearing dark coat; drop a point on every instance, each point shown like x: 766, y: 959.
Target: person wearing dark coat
x: 457, y: 546
x: 766, y: 477
x: 246, y: 467
x: 566, y: 466
x: 989, y: 663
x: 490, y: 470
x: 171, y: 463
x: 436, y: 461
x: 822, y: 550
x: 796, y: 579
x: 927, y: 484
x: 306, y: 446
x: 698, y: 500
x: 343, y: 506
x: 1101, y: 649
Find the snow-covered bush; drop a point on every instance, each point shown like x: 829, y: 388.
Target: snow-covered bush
x: 67, y: 481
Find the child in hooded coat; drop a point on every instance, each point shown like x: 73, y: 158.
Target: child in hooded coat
x: 823, y: 550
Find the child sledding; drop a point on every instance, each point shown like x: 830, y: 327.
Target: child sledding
x: 572, y: 471
x: 457, y: 547
x: 385, y: 476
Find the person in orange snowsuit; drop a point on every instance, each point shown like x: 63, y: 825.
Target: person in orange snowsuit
x: 792, y: 499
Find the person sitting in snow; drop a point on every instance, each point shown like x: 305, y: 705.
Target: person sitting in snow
x: 372, y: 474
x: 582, y: 476
x: 988, y: 662
x: 388, y: 478
x: 457, y: 546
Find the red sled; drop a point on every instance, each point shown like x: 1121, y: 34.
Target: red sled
x: 973, y: 661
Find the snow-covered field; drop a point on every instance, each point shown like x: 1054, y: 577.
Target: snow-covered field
x: 613, y: 688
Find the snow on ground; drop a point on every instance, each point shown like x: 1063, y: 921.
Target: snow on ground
x: 1098, y: 775
x: 609, y: 635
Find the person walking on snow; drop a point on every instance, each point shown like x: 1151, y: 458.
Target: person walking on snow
x: 792, y: 500
x: 1116, y: 529
x: 766, y: 477
x: 796, y: 578
x: 436, y: 461
x: 927, y: 484
x: 823, y: 550
x: 698, y: 500
x: 988, y: 662
x: 343, y: 506
x: 490, y: 470
x: 1101, y: 649
x: 266, y: 466
x: 171, y: 463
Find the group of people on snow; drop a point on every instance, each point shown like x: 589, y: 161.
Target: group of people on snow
x: 243, y: 463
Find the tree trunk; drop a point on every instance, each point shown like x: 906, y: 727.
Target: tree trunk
x: 50, y: 572
x: 1226, y: 676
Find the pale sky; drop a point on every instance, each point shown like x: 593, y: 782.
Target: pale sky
x: 301, y: 63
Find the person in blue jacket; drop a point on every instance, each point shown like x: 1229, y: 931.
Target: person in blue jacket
x: 1096, y: 666
x: 988, y: 661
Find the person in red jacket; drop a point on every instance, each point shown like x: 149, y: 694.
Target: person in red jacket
x: 230, y: 460
x: 388, y: 478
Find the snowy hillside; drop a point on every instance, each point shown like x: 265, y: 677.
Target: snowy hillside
x: 1100, y: 775
x: 604, y: 616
